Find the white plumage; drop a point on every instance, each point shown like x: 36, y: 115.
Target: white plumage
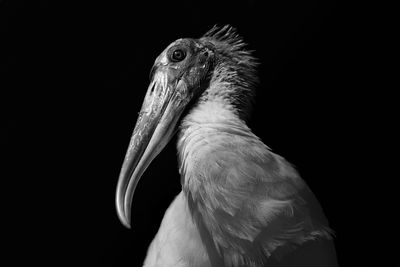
x: 178, y: 241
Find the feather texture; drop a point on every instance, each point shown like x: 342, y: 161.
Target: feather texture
x: 178, y: 242
x: 250, y: 200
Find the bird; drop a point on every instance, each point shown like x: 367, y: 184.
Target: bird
x: 241, y: 204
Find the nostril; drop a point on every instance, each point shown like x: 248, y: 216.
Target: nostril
x: 152, y: 88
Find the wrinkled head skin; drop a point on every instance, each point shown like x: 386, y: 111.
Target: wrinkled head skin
x: 179, y: 76
x: 186, y: 62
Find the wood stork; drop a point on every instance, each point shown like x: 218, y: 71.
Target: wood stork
x: 240, y: 204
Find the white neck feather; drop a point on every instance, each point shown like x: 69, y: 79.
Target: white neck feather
x: 216, y: 110
x: 207, y: 125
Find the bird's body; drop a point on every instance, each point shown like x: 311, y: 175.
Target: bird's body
x: 241, y: 204
x: 236, y: 187
x: 178, y: 242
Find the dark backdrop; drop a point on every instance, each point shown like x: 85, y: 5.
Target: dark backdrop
x: 74, y: 74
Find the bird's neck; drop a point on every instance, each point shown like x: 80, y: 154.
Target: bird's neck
x: 230, y: 91
x: 210, y: 126
x: 211, y: 111
x: 207, y: 125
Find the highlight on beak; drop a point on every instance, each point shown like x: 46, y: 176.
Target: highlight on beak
x: 163, y: 104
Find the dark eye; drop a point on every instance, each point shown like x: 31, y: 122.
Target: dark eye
x: 178, y: 55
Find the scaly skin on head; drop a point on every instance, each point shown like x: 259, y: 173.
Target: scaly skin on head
x: 217, y: 66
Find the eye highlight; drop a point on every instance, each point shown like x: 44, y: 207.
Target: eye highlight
x: 178, y: 55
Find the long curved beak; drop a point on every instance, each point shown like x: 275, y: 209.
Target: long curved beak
x: 162, y: 107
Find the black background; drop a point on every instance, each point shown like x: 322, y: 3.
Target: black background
x: 74, y: 74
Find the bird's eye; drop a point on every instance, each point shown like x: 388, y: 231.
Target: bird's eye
x: 178, y: 55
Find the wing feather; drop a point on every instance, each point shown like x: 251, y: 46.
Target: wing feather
x: 253, y: 202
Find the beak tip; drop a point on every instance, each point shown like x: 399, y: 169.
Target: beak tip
x: 127, y: 221
x: 124, y: 219
x: 123, y: 215
x: 127, y: 224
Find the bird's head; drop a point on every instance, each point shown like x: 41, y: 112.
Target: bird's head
x: 182, y: 75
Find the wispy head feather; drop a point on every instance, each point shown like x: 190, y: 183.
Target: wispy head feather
x: 235, y: 65
x: 228, y: 42
x: 227, y: 36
